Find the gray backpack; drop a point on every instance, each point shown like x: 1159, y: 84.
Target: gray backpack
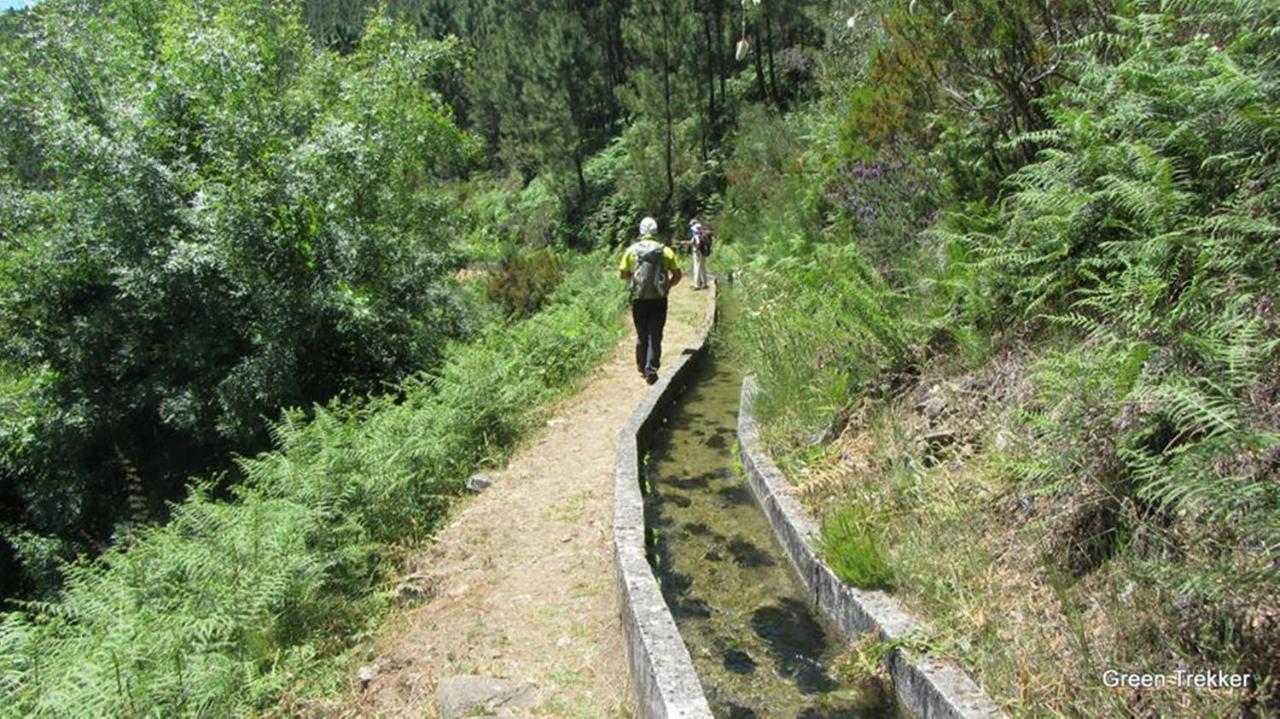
x: 650, y: 280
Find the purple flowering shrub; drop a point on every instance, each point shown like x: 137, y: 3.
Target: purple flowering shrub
x: 882, y: 206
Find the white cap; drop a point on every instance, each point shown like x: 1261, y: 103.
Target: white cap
x: 648, y: 226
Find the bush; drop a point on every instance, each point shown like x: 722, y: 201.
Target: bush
x: 522, y: 282
x: 820, y: 324
x: 1111, y: 241
x: 232, y: 602
x: 226, y: 221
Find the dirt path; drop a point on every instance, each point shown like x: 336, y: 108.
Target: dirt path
x: 522, y: 579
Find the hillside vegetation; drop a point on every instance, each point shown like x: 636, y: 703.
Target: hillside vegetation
x: 1014, y: 298
x: 274, y: 278
x: 206, y: 219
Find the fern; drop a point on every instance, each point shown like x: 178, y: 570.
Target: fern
x: 224, y: 607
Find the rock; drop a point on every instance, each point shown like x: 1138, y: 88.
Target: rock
x: 834, y: 427
x: 939, y: 438
x: 465, y: 696
x: 417, y: 588
x: 479, y: 482
x: 932, y: 407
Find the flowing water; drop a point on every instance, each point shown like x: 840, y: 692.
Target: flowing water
x: 759, y: 647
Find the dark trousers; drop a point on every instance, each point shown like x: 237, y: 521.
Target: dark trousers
x: 649, y: 316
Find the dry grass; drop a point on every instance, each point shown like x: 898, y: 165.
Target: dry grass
x: 992, y: 565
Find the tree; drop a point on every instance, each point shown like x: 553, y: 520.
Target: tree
x: 541, y: 71
x: 249, y: 224
x: 663, y: 37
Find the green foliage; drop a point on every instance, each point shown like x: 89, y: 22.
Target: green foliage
x: 852, y: 547
x: 613, y: 220
x: 234, y: 601
x: 1108, y: 214
x: 959, y: 80
x: 1146, y: 227
x: 553, y: 87
x: 228, y: 221
x: 522, y: 282
x: 770, y: 178
x: 823, y: 321
x: 661, y: 34
x: 821, y: 324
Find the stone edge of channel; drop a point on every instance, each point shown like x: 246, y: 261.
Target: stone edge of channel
x: 664, y: 681
x: 925, y: 687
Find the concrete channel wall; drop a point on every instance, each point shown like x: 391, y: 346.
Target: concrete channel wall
x: 924, y: 687
x: 662, y: 675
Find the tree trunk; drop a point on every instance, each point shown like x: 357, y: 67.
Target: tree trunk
x: 617, y: 48
x: 494, y: 136
x: 755, y: 51
x: 666, y: 102
x: 710, y: 125
x: 773, y: 75
x: 582, y: 178
x: 580, y: 118
x: 722, y: 65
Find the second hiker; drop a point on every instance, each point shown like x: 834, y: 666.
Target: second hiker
x: 651, y: 270
x: 699, y: 243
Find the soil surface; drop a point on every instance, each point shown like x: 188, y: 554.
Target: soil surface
x: 520, y: 584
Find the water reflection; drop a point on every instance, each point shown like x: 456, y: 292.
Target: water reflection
x: 759, y: 649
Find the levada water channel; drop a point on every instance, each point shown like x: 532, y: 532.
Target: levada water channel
x: 758, y: 646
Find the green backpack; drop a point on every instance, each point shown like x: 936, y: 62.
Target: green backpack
x: 650, y: 280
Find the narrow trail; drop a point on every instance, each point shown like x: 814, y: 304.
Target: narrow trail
x: 521, y: 581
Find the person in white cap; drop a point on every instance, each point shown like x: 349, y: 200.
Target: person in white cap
x: 698, y: 248
x: 651, y: 270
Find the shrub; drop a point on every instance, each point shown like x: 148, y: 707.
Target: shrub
x: 226, y: 221
x: 1120, y: 243
x: 820, y: 326
x: 523, y: 281
x: 233, y: 601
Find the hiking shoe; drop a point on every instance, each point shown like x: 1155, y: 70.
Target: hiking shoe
x: 650, y: 377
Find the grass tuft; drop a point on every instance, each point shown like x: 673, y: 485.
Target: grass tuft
x: 851, y: 544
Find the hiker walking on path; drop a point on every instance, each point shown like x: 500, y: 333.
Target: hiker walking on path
x: 651, y: 269
x: 699, y: 243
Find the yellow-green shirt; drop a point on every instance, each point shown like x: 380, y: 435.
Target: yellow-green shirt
x: 628, y: 263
